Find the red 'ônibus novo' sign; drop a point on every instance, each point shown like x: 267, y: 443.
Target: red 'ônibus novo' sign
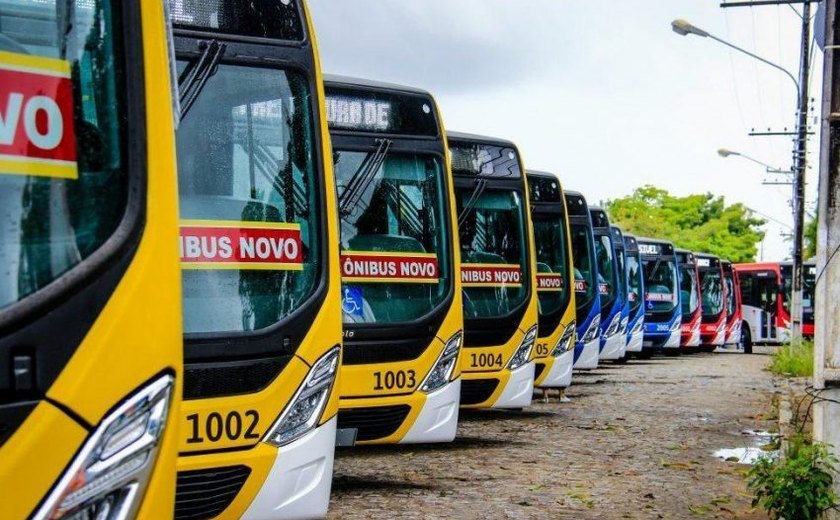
x: 36, y: 117
x: 491, y: 275
x: 389, y: 267
x: 581, y: 286
x: 549, y: 282
x: 208, y: 244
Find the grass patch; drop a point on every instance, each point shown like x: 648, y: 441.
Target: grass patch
x: 794, y: 360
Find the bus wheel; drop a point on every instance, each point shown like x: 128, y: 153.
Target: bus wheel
x: 746, y: 340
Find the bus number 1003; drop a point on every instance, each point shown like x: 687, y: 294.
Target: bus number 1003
x: 399, y: 379
x: 233, y: 426
x: 486, y: 360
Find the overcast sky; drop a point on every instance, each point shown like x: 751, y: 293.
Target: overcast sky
x: 600, y: 92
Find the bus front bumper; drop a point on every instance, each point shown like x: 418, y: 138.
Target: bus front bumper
x: 634, y: 344
x: 501, y: 389
x: 588, y: 358
x: 733, y: 336
x: 614, y: 347
x: 438, y: 419
x: 665, y: 340
x: 298, y: 483
x: 558, y: 372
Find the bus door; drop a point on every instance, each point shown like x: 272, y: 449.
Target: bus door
x: 259, y: 258
x: 401, y: 299
x: 90, y: 356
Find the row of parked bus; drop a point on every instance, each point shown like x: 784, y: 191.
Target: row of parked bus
x: 218, y: 265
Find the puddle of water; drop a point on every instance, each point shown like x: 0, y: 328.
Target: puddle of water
x: 760, y: 446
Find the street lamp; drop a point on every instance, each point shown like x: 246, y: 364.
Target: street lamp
x: 684, y: 28
x: 723, y: 152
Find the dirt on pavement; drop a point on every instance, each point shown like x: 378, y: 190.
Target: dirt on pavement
x: 636, y: 441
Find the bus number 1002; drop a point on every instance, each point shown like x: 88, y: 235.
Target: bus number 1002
x: 390, y: 380
x: 486, y: 360
x: 233, y: 426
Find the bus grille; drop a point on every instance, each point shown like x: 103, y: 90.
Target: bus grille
x: 226, y: 378
x: 538, y: 370
x: 206, y: 493
x: 474, y: 391
x: 376, y: 422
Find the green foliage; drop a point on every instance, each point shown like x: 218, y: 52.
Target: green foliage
x: 695, y: 222
x: 809, y: 233
x: 794, y: 360
x: 797, y: 486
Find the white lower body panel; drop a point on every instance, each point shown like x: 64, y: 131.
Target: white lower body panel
x: 519, y: 389
x: 560, y: 375
x: 674, y: 339
x: 636, y: 341
x: 614, y: 347
x: 589, y: 357
x: 438, y: 420
x: 298, y: 484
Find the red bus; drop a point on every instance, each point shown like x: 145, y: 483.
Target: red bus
x: 713, y: 298
x: 690, y: 299
x: 809, y: 280
x: 734, y: 311
x: 766, y: 318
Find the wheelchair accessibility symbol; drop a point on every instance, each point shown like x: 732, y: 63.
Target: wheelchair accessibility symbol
x: 351, y: 301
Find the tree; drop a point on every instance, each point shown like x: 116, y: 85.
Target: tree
x: 700, y: 222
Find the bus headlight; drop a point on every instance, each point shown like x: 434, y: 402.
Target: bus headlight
x: 637, y: 328
x: 304, y: 410
x: 594, y: 329
x: 442, y: 370
x: 566, y: 341
x: 109, y: 474
x: 624, y: 322
x: 520, y: 357
x: 615, y: 324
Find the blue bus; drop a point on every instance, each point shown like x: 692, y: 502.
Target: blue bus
x: 663, y: 311
x: 635, y: 296
x: 623, y: 286
x: 609, y: 287
x: 587, y: 300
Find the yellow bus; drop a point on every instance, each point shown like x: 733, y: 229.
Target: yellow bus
x: 498, y: 272
x: 259, y: 259
x: 90, y: 328
x: 555, y: 347
x: 400, y: 293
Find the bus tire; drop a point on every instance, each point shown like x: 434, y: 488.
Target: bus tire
x: 746, y: 340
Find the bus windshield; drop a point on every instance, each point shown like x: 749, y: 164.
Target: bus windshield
x: 394, y: 238
x: 731, y: 300
x: 493, y: 247
x: 606, y: 277
x: 622, y: 273
x: 585, y: 275
x: 711, y: 287
x: 634, y: 279
x: 249, y: 201
x: 661, y: 285
x: 64, y: 184
x: 552, y: 262
x: 689, y: 297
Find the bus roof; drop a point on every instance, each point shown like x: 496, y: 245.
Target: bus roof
x: 706, y: 255
x: 483, y: 139
x: 334, y: 80
x: 599, y: 217
x: 543, y: 175
x: 648, y: 240
x: 758, y: 266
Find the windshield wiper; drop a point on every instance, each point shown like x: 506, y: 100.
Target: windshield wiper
x: 364, y: 175
x: 478, y: 190
x: 192, y: 82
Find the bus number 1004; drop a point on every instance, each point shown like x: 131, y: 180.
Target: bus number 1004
x: 485, y: 360
x: 398, y: 379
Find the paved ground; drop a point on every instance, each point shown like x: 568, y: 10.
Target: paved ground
x: 636, y: 441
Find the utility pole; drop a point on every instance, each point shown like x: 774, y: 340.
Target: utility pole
x: 799, y: 166
x: 827, y: 319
